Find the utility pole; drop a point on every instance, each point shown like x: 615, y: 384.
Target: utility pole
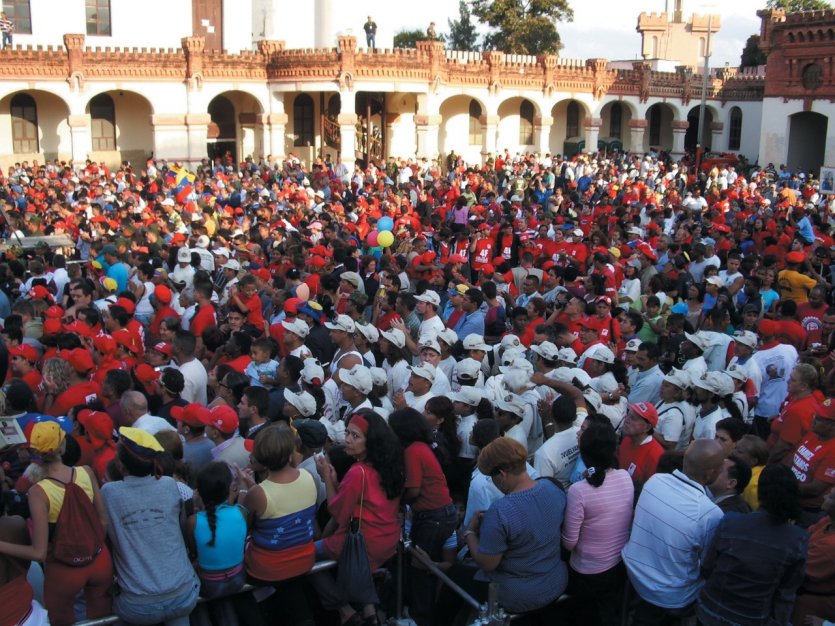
x: 703, y: 104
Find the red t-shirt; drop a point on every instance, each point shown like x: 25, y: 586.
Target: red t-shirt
x: 161, y: 314
x: 239, y: 364
x: 810, y: 319
x: 814, y: 460
x: 794, y: 421
x: 641, y: 460
x: 792, y: 332
x: 33, y: 379
x: 203, y: 319
x: 78, y: 394
x: 424, y: 472
x: 254, y: 314
x: 483, y: 253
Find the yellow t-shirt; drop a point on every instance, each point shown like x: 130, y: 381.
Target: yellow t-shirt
x: 794, y: 286
x: 750, y: 492
x: 55, y: 492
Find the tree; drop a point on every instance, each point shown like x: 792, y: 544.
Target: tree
x: 793, y: 6
x: 409, y: 38
x: 462, y: 32
x: 523, y: 26
x: 752, y: 56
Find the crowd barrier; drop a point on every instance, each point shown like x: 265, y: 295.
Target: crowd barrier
x: 490, y: 613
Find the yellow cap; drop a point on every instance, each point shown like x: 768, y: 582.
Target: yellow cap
x: 46, y: 437
x: 139, y: 441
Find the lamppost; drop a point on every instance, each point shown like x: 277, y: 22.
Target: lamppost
x: 703, y: 104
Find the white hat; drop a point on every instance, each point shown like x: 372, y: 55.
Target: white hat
x: 378, y: 376
x: 448, y: 336
x: 168, y: 202
x: 351, y: 277
x: 184, y: 255
x: 632, y: 345
x: 222, y: 252
x: 567, y: 355
x: 568, y: 374
x: 303, y: 401
x: 717, y: 383
x: 370, y: 332
x: 429, y: 297
x: 509, y: 356
x: 395, y: 336
x: 738, y: 371
x: 313, y: 373
x: 467, y: 395
x: 474, y: 341
x: 546, y: 350
x: 699, y: 339
x: 424, y: 370
x: 519, y: 363
x: 232, y: 264
x: 336, y: 430
x: 746, y: 338
x: 203, y: 241
x: 343, y: 323
x: 593, y: 398
x: 429, y: 342
x: 604, y: 384
x: 679, y: 378
x: 358, y: 377
x: 599, y: 352
x: 510, y: 341
x: 511, y: 403
x: 469, y: 368
x: 577, y: 232
x: 715, y: 280
x: 516, y: 198
x: 634, y: 230
x: 297, y: 327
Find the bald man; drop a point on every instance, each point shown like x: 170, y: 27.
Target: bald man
x: 675, y: 515
x: 134, y: 407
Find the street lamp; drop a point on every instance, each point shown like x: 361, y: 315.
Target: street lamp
x: 703, y: 103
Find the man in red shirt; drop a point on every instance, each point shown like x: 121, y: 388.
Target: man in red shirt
x: 813, y: 463
x: 639, y: 451
x: 205, y: 316
x: 161, y: 301
x: 810, y: 314
x: 80, y: 390
x: 482, y: 248
x: 246, y: 298
x: 24, y: 361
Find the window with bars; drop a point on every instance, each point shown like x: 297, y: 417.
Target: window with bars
x: 103, y: 122
x: 526, y: 123
x: 572, y: 120
x: 24, y: 114
x: 303, y: 120
x: 735, y: 134
x: 476, y: 131
x: 19, y: 13
x: 615, y: 120
x: 98, y: 18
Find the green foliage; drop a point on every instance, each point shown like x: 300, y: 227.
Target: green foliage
x: 462, y: 32
x: 523, y: 26
x: 793, y: 6
x: 409, y: 38
x: 752, y: 56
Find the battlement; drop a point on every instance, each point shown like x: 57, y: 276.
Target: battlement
x: 699, y: 23
x: 653, y: 21
x: 807, y: 17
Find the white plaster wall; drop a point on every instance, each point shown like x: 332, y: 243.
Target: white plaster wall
x: 558, y: 135
x: 402, y: 136
x: 751, y: 122
x: 134, y: 132
x: 774, y: 131
x: 149, y: 24
x: 508, y: 127
x: 282, y: 20
x: 454, y: 133
x: 54, y: 140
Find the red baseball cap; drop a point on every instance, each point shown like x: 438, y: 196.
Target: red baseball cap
x: 768, y: 327
x: 162, y: 294
x: 79, y: 327
x: 98, y: 424
x: 457, y: 258
x: 80, y: 360
x: 163, y: 348
x: 145, y: 373
x: 224, y: 418
x: 590, y: 322
x: 124, y: 337
x: 54, y: 312
x: 647, y: 411
x: 192, y: 414
x: 39, y: 292
x: 127, y: 304
x: 25, y: 351
x: 291, y: 305
x: 826, y: 410
x: 317, y: 261
x: 52, y: 326
x: 105, y: 344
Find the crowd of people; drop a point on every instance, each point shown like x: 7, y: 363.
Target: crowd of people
x: 601, y: 381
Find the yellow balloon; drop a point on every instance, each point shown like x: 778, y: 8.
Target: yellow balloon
x: 385, y: 239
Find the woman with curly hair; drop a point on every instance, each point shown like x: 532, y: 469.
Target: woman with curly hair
x: 755, y: 562
x: 369, y: 493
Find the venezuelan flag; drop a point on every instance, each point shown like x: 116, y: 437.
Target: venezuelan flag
x: 183, y: 182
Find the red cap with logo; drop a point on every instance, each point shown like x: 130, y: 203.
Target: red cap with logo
x: 647, y: 411
x: 224, y: 418
x: 25, y: 351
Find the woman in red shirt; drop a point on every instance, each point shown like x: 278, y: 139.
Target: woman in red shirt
x: 369, y: 493
x: 433, y: 515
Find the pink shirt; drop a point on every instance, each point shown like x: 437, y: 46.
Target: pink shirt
x: 597, y: 522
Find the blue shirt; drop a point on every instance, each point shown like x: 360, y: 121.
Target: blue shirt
x: 119, y: 273
x: 470, y: 323
x: 254, y: 371
x: 647, y: 386
x: 230, y: 536
x: 524, y: 527
x: 483, y: 492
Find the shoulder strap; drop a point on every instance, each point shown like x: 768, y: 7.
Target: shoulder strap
x: 362, y: 496
x: 61, y: 482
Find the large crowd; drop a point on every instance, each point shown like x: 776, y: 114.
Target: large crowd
x: 602, y: 381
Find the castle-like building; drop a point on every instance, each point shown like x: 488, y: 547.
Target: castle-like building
x: 114, y: 81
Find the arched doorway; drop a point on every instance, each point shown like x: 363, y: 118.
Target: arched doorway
x: 120, y: 127
x: 567, y: 132
x: 461, y: 128
x: 659, y: 132
x: 222, y: 138
x: 692, y: 133
x: 34, y: 126
x: 807, y: 141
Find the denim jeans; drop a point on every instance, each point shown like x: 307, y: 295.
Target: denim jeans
x: 229, y: 582
x: 430, y: 530
x: 7, y: 40
x: 172, y: 609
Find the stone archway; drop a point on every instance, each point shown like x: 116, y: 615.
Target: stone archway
x: 692, y: 134
x: 807, y: 141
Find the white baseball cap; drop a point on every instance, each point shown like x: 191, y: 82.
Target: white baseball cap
x: 632, y: 345
x: 303, y: 401
x: 297, y: 327
x: 599, y: 352
x: 222, y: 252
x: 510, y: 341
x: 567, y: 355
x: 546, y: 350
x: 519, y: 363
x: 738, y: 371
x: 184, y: 255
x: 467, y: 395
x: 424, y: 370
x: 358, y: 377
x: 203, y: 241
x: 448, y: 336
x: 431, y: 343
x: 313, y: 373
x: 746, y: 338
x: 378, y: 376
x: 469, y: 368
x: 474, y: 341
x: 369, y: 331
x: 351, y: 277
x: 336, y: 430
x: 429, y: 297
x: 232, y: 264
x: 700, y: 340
x: 343, y: 323
x: 395, y: 336
x: 679, y: 378
x: 511, y: 403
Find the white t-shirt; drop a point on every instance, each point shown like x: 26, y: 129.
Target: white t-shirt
x: 705, y: 427
x: 196, y: 381
x: 464, y: 428
x: 556, y: 457
x: 431, y: 328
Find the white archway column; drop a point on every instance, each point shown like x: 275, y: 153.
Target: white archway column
x: 542, y: 133
x: 679, y: 130
x: 170, y: 137
x: 428, y: 127
x: 592, y: 127
x: 347, y: 120
x: 273, y: 127
x: 717, y: 129
x: 82, y: 137
x: 490, y: 126
x: 637, y: 131
x: 197, y: 131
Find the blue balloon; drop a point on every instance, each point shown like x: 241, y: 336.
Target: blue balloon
x: 385, y: 223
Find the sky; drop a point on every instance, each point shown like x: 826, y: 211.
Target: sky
x: 601, y: 28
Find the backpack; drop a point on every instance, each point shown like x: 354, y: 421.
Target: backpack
x: 78, y: 536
